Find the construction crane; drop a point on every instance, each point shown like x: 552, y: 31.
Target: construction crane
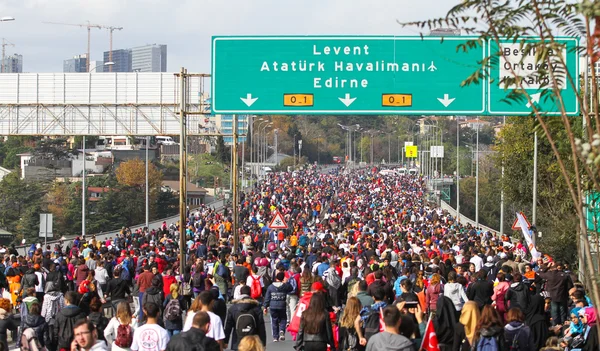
x: 89, y: 27
x: 5, y: 43
x: 110, y: 48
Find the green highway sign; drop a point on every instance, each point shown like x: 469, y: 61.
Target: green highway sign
x: 522, y: 61
x: 592, y: 212
x: 344, y: 75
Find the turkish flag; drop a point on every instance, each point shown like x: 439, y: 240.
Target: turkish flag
x: 430, y: 342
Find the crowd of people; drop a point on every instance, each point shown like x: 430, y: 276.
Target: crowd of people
x: 366, y: 263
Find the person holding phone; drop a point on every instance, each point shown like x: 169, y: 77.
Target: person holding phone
x: 86, y: 337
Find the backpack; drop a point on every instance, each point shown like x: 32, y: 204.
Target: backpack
x: 30, y: 341
x: 351, y: 341
x: 487, y: 343
x: 294, y: 284
x: 255, y: 288
x: 186, y: 287
x: 124, y: 336
x: 197, y: 280
x: 245, y: 325
x: 372, y: 324
x: 173, y: 310
x: 332, y: 278
x: 221, y: 270
x: 515, y: 341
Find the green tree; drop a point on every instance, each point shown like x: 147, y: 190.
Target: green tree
x: 222, y: 151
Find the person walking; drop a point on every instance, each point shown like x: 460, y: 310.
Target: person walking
x: 65, y: 321
x: 244, y: 317
x: 173, y: 307
x: 558, y: 284
x: 120, y: 329
x: 464, y: 332
x: 86, y: 337
x: 315, y: 331
x: 275, y: 300
x: 390, y: 339
x: 195, y: 339
x: 150, y: 336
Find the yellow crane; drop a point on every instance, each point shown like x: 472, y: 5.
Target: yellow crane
x: 89, y: 27
x: 5, y: 43
x: 110, y: 45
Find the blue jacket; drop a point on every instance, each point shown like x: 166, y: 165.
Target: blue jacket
x: 322, y: 268
x: 276, y: 296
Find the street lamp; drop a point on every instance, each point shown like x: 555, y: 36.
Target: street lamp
x: 110, y: 63
x: 262, y: 156
x: 6, y: 19
x: 261, y: 122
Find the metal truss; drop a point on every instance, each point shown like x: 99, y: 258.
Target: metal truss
x: 99, y: 119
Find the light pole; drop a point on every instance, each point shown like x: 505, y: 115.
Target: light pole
x: 276, y: 136
x: 262, y: 148
x: 257, y: 143
x: 477, y: 179
x: 83, y: 193
x: 147, y: 187
x: 299, y: 150
x: 457, y: 171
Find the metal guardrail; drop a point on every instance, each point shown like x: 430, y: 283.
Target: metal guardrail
x: 218, y: 205
x: 463, y: 219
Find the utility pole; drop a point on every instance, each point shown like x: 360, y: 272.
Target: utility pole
x: 477, y: 180
x: 502, y: 189
x: 535, y: 171
x: 182, y: 166
x: 147, y: 187
x: 457, y: 171
x: 235, y: 177
x: 83, y: 193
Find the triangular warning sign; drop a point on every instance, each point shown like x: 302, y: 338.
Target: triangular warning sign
x: 278, y: 222
x: 517, y: 226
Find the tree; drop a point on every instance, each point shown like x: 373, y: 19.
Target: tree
x: 19, y: 201
x: 495, y: 21
x: 222, y: 152
x: 132, y: 173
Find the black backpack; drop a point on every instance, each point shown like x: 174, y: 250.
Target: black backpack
x: 245, y: 325
x: 372, y: 324
x: 197, y: 280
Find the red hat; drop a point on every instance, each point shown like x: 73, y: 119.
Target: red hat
x: 317, y: 286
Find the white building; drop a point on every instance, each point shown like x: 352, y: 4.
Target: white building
x: 4, y: 172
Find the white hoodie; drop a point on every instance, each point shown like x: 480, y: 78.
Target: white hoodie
x: 456, y: 293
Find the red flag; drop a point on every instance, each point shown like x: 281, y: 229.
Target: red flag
x: 430, y: 342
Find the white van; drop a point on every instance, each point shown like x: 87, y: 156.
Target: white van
x: 413, y: 171
x: 402, y: 171
x: 165, y: 140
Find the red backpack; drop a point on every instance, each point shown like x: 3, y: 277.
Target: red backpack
x: 124, y: 336
x: 255, y: 288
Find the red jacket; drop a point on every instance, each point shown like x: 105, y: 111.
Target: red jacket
x: 167, y: 281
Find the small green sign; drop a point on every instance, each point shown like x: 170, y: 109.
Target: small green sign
x: 592, y: 214
x: 522, y: 61
x: 344, y: 75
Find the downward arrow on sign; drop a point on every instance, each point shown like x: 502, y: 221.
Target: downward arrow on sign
x: 446, y: 101
x: 347, y: 100
x: 249, y: 100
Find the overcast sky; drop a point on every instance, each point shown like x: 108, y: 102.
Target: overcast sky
x: 186, y: 26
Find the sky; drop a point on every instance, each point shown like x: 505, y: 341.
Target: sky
x: 186, y: 26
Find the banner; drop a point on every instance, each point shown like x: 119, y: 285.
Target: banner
x: 527, y: 235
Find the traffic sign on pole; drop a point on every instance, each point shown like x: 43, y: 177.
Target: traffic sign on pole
x: 344, y: 75
x: 411, y: 151
x: 521, y: 60
x: 278, y: 222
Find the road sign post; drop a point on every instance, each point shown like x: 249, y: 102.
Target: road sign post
x: 45, y: 226
x: 344, y: 75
